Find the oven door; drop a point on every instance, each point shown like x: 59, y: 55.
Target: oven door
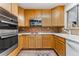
x: 6, y: 41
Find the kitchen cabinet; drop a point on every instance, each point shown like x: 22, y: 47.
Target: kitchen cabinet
x: 37, y: 14
x: 38, y: 41
x: 21, y: 18
x: 46, y: 17
x: 28, y: 15
x: 26, y: 42
x: 40, y: 14
x: 20, y: 41
x: 31, y: 14
x: 6, y: 6
x: 48, y: 41
x: 60, y: 47
x: 58, y: 16
x: 32, y: 41
x: 14, y: 9
x: 10, y: 7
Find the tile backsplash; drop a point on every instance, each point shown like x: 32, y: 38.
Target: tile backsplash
x: 41, y: 29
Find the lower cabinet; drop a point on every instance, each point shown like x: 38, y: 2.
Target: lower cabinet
x: 48, y: 41
x: 38, y: 41
x: 42, y: 41
x: 60, y: 46
x: 32, y: 41
x: 20, y: 41
x: 26, y: 42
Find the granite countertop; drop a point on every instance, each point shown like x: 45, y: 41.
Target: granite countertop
x: 70, y: 37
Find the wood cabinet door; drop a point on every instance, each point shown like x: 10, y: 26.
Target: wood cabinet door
x: 37, y: 13
x: 6, y: 6
x: 61, y: 16
x: 26, y: 42
x: 46, y: 17
x: 21, y: 18
x: 54, y: 17
x: 47, y: 41
x: 14, y: 9
x: 58, y: 16
x: 60, y: 46
x: 32, y: 41
x: 38, y: 41
x: 20, y: 41
x: 29, y: 14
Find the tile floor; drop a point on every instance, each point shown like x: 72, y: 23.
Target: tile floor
x: 37, y: 53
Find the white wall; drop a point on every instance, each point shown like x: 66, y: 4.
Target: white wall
x: 67, y: 7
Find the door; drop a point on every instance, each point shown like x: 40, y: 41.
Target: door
x: 47, y: 41
x: 20, y: 41
x: 32, y: 41
x: 60, y: 46
x: 14, y: 9
x: 38, y: 41
x: 46, y: 17
x: 21, y: 18
x: 29, y: 14
x: 26, y: 42
x: 58, y: 16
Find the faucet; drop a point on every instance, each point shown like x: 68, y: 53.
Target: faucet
x: 67, y: 31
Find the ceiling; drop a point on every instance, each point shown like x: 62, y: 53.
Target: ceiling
x: 39, y: 5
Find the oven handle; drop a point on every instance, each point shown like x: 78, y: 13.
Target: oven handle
x: 6, y: 36
x: 8, y: 22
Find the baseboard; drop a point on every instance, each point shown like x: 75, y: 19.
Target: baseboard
x: 38, y: 49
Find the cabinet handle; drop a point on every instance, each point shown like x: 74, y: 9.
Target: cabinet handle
x: 60, y: 42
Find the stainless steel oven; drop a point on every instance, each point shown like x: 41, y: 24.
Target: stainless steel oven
x: 8, y: 30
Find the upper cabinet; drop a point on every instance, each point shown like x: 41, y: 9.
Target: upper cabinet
x: 6, y: 6
x: 39, y: 14
x: 21, y: 18
x: 29, y: 14
x: 58, y: 16
x: 10, y: 7
x: 46, y: 17
x: 14, y: 9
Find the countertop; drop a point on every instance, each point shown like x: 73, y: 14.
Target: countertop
x: 73, y: 38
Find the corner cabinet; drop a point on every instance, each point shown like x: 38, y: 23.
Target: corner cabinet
x: 58, y: 16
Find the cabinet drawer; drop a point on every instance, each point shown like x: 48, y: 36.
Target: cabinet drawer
x: 60, y: 48
x: 60, y: 39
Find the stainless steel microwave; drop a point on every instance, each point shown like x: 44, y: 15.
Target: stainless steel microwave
x: 35, y: 22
